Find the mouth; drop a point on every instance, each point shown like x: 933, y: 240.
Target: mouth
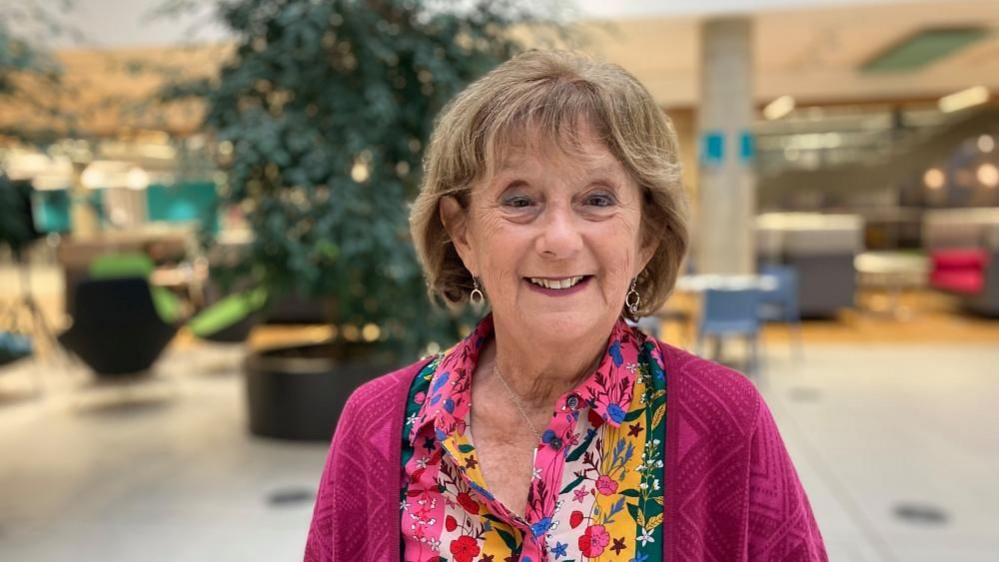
x: 558, y: 286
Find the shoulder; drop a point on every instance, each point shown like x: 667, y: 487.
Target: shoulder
x: 705, y: 389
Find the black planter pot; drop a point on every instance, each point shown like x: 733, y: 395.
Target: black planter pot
x: 297, y: 392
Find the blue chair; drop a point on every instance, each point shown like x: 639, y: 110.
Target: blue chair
x: 781, y: 303
x: 730, y: 312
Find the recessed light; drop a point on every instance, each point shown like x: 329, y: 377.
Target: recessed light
x: 934, y: 178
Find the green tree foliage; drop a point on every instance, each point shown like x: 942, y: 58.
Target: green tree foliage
x: 23, y: 65
x: 29, y: 75
x: 20, y: 59
x: 323, y: 113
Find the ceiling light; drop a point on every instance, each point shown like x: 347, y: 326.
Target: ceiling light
x: 988, y: 174
x: 779, y: 108
x: 934, y: 178
x: 964, y: 99
x: 986, y: 143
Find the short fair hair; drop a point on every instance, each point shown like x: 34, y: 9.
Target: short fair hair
x: 553, y: 93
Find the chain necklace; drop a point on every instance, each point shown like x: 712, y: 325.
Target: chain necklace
x: 516, y: 401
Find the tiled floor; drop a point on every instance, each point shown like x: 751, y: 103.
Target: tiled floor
x: 173, y: 477
x: 176, y: 477
x: 873, y: 428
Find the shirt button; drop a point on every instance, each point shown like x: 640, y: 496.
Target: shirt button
x: 572, y: 401
x: 555, y: 443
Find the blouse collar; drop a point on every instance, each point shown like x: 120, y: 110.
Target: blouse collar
x: 607, y: 391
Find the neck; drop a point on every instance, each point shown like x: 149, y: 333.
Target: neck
x: 539, y: 373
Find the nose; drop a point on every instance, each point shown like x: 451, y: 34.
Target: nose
x: 560, y: 237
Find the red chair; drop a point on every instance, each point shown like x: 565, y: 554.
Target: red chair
x: 960, y: 271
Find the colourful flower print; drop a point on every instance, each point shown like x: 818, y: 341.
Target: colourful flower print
x: 468, y: 503
x: 590, y: 497
x: 464, y: 548
x: 616, y: 413
x: 593, y: 541
x: 606, y: 485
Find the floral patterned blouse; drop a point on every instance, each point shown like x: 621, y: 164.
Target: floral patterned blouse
x: 596, y: 493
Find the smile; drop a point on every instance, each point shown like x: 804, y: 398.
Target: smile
x: 558, y: 286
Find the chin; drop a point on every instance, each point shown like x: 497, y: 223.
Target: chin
x: 568, y: 326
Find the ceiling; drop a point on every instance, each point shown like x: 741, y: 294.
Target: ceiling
x: 814, y: 54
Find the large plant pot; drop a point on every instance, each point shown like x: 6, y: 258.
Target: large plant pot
x: 297, y: 392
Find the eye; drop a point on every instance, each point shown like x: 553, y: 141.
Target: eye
x: 599, y: 200
x: 517, y: 202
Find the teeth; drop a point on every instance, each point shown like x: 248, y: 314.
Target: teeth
x: 556, y: 283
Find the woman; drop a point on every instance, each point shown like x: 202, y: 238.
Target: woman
x: 555, y: 431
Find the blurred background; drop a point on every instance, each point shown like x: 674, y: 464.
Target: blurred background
x: 204, y: 248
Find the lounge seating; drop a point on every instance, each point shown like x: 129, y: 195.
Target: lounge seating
x: 821, y: 249
x: 137, y: 264
x: 731, y: 312
x: 14, y: 346
x: 116, y: 329
x: 960, y: 271
x: 781, y: 303
x: 230, y: 319
x: 963, y: 245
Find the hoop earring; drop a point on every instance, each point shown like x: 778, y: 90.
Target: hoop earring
x: 476, y: 297
x: 633, y: 299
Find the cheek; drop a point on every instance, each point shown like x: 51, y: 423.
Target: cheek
x: 618, y: 245
x: 499, y: 248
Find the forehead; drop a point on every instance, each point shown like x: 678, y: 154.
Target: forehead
x: 531, y: 146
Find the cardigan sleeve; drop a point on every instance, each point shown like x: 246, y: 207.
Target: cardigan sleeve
x: 781, y: 525
x: 356, y: 516
x: 319, y: 544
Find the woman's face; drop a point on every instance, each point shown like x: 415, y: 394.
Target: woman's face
x: 554, y: 237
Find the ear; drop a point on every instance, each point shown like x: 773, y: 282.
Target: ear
x: 454, y: 217
x: 646, y: 251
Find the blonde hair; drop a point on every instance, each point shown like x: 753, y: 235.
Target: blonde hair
x: 553, y: 93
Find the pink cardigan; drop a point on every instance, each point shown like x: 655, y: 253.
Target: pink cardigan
x: 731, y: 492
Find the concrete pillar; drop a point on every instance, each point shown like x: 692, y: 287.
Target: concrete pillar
x: 727, y: 180
x: 83, y: 218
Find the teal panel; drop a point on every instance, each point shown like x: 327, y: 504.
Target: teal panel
x: 183, y: 202
x: 747, y: 147
x: 712, y: 148
x: 51, y: 210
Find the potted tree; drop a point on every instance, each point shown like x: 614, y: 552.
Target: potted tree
x: 321, y: 116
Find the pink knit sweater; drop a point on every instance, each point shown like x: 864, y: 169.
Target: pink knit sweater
x: 731, y: 492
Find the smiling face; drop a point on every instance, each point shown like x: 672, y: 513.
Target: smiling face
x: 554, y: 237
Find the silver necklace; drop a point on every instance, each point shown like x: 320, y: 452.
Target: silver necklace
x: 516, y: 402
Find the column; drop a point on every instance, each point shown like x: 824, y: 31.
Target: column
x: 724, y: 241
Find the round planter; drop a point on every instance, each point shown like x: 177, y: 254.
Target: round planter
x: 297, y: 392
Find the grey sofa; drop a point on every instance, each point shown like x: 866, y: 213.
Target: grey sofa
x: 821, y: 248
